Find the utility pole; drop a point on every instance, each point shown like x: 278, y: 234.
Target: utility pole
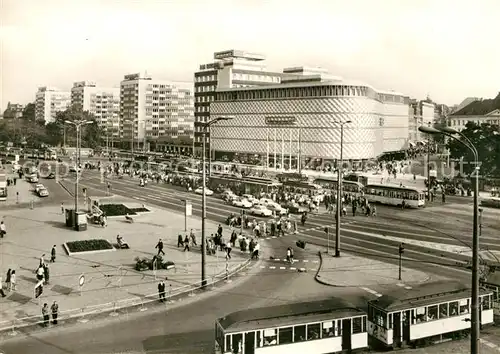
x: 339, y: 189
x: 327, y: 231
x: 401, y: 251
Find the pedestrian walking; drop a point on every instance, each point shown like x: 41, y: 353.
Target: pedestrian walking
x: 45, y: 314
x: 180, y: 243
x: 40, y: 273
x: 161, y: 290
x: 13, y: 281
x: 42, y: 260
x: 53, y: 254
x: 159, y: 245
x: 186, y: 243
x: 229, y: 247
x: 3, y: 229
x: 1, y: 287
x: 193, y: 238
x: 46, y: 273
x: 55, y: 311
x: 62, y: 208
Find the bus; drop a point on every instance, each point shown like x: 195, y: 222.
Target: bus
x: 393, y: 195
x: 330, y: 183
x: 3, y: 187
x: 314, y: 327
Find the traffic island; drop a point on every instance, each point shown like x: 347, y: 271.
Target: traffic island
x: 88, y: 246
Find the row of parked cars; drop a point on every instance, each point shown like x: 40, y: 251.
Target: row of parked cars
x: 262, y: 206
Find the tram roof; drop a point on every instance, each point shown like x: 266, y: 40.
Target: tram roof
x: 397, y: 188
x: 423, y: 295
x: 493, y: 279
x: 288, y: 315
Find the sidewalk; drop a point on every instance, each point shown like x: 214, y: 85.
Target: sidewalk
x: 109, y: 276
x: 26, y: 192
x: 353, y: 271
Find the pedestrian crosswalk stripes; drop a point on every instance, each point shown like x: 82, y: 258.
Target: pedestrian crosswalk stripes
x: 300, y: 269
x: 294, y: 261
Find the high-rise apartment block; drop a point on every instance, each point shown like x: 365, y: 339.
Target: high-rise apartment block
x: 154, y: 110
x: 102, y: 102
x: 231, y: 69
x: 420, y: 113
x: 49, y: 101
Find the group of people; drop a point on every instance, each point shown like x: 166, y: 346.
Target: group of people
x: 10, y: 282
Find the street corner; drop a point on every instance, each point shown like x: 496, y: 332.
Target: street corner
x: 353, y: 271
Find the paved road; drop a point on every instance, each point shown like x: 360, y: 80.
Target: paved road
x: 375, y: 237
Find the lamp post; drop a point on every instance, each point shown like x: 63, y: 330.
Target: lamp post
x: 475, y: 306
x: 78, y: 124
x: 203, y: 199
x: 339, y: 188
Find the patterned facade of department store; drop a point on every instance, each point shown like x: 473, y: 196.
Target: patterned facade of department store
x: 270, y: 121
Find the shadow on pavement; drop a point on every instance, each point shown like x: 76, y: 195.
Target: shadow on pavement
x: 19, y: 298
x: 28, y: 279
x: 61, y: 289
x: 57, y: 224
x: 190, y: 342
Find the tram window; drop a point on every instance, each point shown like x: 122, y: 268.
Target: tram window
x: 421, y: 314
x: 270, y: 337
x: 313, y: 331
x: 390, y: 321
x: 260, y: 343
x: 443, y: 310
x: 364, y: 324
x: 432, y: 312
x: 237, y: 342
x: 328, y: 329
x: 228, y: 341
x: 357, y: 325
x: 464, y: 306
x: 285, y: 335
x: 486, y: 302
x: 453, y: 308
x: 299, y: 333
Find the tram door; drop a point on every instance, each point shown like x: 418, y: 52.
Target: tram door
x: 249, y: 343
x: 396, y: 334
x: 346, y: 334
x: 406, y: 326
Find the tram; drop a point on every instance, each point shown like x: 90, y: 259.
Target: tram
x: 351, y: 187
x: 492, y: 282
x: 393, y: 195
x: 431, y: 313
x: 315, y: 327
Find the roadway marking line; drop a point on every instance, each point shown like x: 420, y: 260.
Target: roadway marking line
x: 408, y: 287
x: 305, y: 261
x: 262, y: 267
x: 315, y: 261
x: 313, y: 269
x: 277, y: 259
x: 282, y: 267
x: 302, y: 269
x: 139, y: 198
x: 272, y: 267
x: 274, y: 237
x: 400, y: 284
x: 293, y: 268
x: 373, y: 292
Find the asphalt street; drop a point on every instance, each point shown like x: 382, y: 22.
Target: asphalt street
x: 373, y: 237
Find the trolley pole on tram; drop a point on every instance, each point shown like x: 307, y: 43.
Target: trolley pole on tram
x: 339, y: 188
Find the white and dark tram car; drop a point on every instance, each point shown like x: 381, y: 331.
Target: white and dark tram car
x: 431, y: 313
x: 492, y: 282
x: 315, y: 327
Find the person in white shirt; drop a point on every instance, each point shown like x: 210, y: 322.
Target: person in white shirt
x: 1, y: 287
x: 3, y: 229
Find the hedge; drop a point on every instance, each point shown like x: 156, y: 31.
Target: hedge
x: 89, y: 245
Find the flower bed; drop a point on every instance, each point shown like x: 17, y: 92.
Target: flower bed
x: 116, y: 210
x: 88, y: 246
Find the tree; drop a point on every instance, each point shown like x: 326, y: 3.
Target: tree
x: 29, y: 112
x: 91, y: 134
x: 486, y: 139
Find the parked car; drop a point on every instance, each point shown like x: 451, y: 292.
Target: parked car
x: 43, y: 192
x: 242, y: 203
x: 250, y: 198
x: 260, y: 210
x: 277, y: 208
x: 295, y: 208
x: 199, y: 190
x: 38, y: 187
x: 51, y: 175
x: 228, y: 195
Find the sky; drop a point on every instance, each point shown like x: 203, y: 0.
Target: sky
x: 446, y: 49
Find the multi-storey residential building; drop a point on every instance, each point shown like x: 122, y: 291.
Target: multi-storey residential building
x: 49, y: 101
x: 303, y: 115
x: 155, y: 111
x: 13, y: 111
x: 231, y: 69
x: 480, y: 111
x: 102, y: 102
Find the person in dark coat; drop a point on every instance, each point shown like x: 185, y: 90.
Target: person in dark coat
x: 161, y: 291
x: 53, y: 254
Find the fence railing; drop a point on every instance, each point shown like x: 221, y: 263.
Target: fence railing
x: 115, y: 306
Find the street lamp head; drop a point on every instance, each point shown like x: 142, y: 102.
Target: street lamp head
x: 88, y: 122
x: 447, y: 130
x: 429, y: 130
x: 218, y: 119
x: 348, y: 121
x: 68, y: 122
